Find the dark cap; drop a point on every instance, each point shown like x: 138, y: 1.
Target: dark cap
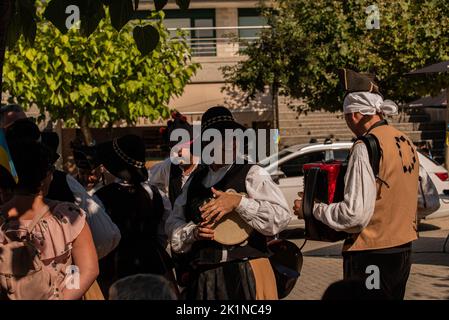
x: 352, y: 81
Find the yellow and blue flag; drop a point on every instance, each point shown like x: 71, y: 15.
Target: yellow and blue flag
x: 5, y: 157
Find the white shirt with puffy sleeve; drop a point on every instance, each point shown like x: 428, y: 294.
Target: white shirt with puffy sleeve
x: 354, y: 213
x: 265, y: 209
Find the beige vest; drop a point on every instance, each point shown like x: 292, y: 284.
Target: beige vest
x: 394, y: 221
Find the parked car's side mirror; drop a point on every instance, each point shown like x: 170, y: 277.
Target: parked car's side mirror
x: 277, y: 175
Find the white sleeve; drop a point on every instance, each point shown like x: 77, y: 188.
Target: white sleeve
x: 265, y: 209
x: 355, y: 211
x: 105, y: 233
x: 180, y: 233
x: 159, y: 175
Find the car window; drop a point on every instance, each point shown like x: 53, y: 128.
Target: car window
x: 293, y: 167
x: 341, y: 154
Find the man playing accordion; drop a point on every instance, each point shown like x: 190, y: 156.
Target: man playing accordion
x: 378, y: 210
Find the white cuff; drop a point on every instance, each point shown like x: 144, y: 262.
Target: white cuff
x: 247, y: 208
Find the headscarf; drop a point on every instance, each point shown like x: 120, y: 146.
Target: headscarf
x: 368, y: 103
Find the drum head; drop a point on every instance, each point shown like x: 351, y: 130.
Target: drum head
x: 231, y: 230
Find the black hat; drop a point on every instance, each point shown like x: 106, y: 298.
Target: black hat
x: 352, y: 81
x: 51, y: 140
x: 124, y: 158
x: 85, y: 157
x: 22, y: 129
x: 219, y: 118
x: 25, y: 129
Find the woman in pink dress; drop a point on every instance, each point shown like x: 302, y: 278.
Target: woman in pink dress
x: 62, y: 237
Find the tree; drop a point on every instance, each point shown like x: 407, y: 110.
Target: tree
x: 5, y: 8
x: 312, y: 39
x: 266, y: 65
x: 99, y: 80
x: 18, y: 17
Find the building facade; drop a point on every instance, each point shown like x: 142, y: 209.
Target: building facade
x: 216, y: 31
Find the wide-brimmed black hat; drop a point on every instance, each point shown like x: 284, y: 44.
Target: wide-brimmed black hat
x: 22, y: 129
x: 26, y: 129
x: 219, y: 118
x: 124, y: 158
x: 352, y: 81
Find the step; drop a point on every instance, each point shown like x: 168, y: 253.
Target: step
x: 305, y: 138
x: 333, y: 130
x: 324, y: 118
x: 285, y: 108
x: 403, y: 126
x: 293, y: 114
x: 312, y: 132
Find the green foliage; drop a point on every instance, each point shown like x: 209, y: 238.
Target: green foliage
x: 23, y: 15
x: 103, y: 78
x: 22, y: 21
x: 310, y: 40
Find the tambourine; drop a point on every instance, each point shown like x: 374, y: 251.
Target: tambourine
x: 232, y: 229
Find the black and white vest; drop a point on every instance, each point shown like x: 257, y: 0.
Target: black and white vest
x: 207, y: 252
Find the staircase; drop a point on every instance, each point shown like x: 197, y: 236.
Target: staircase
x: 319, y: 125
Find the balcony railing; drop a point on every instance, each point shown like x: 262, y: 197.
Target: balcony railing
x: 227, y: 41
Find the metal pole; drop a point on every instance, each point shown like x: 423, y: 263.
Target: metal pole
x: 446, y: 142
x: 275, y: 105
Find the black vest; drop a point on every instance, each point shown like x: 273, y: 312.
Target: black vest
x: 174, y: 183
x: 207, y: 252
x: 59, y: 189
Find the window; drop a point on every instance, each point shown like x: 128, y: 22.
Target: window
x: 177, y: 23
x: 293, y: 167
x: 341, y: 154
x: 250, y: 18
x: 202, y: 40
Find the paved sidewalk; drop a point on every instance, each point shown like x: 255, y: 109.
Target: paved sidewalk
x: 429, y: 278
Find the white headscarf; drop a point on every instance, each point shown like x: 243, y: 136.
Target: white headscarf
x: 368, y: 103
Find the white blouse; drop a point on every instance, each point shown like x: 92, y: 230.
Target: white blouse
x: 354, y: 213
x: 265, y: 209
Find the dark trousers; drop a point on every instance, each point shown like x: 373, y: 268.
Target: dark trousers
x: 393, y: 266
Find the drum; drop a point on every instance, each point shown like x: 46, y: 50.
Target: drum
x: 323, y: 182
x: 232, y: 229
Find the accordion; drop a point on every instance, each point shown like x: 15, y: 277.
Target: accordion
x: 323, y: 182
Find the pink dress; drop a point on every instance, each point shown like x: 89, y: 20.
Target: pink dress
x: 53, y: 237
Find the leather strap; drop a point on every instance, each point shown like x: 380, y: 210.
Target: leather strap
x: 373, y: 147
x: 309, y: 193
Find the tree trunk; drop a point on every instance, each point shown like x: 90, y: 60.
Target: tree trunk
x: 85, y: 130
x: 5, y: 9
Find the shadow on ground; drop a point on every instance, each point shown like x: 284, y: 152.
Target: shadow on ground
x: 427, y: 227
x: 429, y: 250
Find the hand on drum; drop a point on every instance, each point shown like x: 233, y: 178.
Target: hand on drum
x: 297, y: 207
x: 204, y: 231
x: 222, y: 204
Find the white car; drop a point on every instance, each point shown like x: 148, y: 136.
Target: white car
x: 288, y: 173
